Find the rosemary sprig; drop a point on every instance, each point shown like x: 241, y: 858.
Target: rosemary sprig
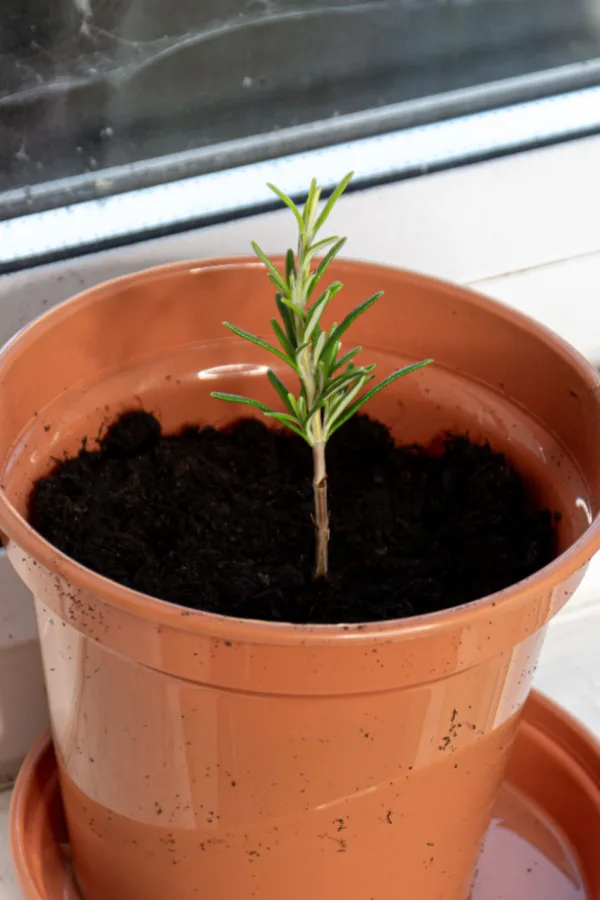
x: 332, y: 387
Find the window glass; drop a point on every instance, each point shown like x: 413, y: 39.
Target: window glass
x: 90, y: 85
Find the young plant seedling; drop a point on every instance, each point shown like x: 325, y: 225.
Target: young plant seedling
x: 330, y: 384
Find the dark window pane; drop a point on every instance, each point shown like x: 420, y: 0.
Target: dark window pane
x: 91, y: 84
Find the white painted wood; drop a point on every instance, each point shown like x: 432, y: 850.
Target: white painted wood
x: 470, y: 225
x: 23, y: 708
x: 565, y: 295
x: 8, y: 881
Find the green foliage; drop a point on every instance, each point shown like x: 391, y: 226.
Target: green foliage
x: 332, y: 387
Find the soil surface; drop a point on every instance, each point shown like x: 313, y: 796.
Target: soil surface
x: 221, y: 520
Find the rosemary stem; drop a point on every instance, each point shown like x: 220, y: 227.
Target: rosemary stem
x: 321, y: 511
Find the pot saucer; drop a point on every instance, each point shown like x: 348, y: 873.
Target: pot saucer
x: 542, y: 842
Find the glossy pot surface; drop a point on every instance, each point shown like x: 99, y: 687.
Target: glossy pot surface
x: 207, y: 756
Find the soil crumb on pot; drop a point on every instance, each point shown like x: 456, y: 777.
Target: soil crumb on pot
x: 221, y: 520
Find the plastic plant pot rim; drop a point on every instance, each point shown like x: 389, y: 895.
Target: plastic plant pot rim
x: 19, y: 531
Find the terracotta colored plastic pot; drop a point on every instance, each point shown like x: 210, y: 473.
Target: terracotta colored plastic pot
x: 542, y: 843
x: 202, y: 756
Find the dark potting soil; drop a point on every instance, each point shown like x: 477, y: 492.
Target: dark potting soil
x: 221, y: 520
